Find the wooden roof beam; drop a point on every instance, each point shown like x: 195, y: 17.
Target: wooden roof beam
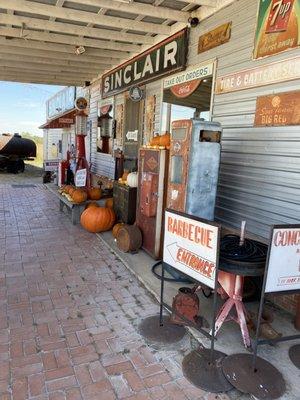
x: 139, y: 9
x: 16, y: 54
x: 90, y: 53
x: 82, y: 16
x: 28, y: 63
x: 67, y: 39
x: 35, y: 23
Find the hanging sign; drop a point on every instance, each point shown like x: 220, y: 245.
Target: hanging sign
x: 283, y: 270
x: 193, y: 73
x: 214, y: 38
x: 51, y: 165
x: 276, y: 72
x: 280, y: 109
x: 191, y: 246
x: 165, y: 57
x: 185, y: 89
x: 277, y: 27
x: 132, y: 135
x: 80, y: 177
x: 136, y: 94
x: 66, y: 121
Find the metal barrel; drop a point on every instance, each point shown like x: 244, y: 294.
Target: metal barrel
x: 16, y: 145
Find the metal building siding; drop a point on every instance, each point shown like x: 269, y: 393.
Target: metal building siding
x: 260, y: 167
x: 102, y: 164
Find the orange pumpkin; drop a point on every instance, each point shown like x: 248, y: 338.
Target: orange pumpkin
x: 97, y: 219
x: 116, y: 229
x: 67, y: 188
x: 92, y: 204
x: 71, y: 191
x: 125, y: 174
x: 94, y: 193
x: 163, y: 140
x: 79, y: 196
x: 109, y: 203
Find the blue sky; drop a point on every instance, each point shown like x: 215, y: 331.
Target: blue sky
x: 22, y: 106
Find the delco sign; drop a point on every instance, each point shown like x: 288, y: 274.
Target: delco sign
x: 165, y: 57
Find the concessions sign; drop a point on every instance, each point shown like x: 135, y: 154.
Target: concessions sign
x: 276, y: 72
x: 277, y: 27
x: 284, y: 259
x: 191, y: 246
x: 167, y: 56
x: 280, y: 109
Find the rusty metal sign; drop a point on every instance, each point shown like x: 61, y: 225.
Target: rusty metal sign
x: 280, y: 71
x: 214, y: 38
x: 278, y: 110
x: 276, y: 27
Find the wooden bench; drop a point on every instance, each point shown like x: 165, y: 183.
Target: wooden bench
x: 75, y: 209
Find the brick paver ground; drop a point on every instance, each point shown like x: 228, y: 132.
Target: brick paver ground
x: 69, y: 313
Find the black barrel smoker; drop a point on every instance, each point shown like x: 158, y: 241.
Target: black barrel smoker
x: 14, y: 150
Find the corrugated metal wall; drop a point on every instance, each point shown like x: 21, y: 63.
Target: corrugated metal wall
x: 260, y: 169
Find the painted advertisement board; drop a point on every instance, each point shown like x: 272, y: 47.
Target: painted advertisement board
x: 280, y: 109
x: 283, y: 273
x: 191, y: 246
x: 167, y: 56
x: 280, y: 71
x: 277, y: 27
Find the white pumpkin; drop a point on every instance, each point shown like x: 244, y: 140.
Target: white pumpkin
x: 132, y: 179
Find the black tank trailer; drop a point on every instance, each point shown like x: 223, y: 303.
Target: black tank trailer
x: 14, y: 150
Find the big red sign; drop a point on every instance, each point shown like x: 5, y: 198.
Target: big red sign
x: 191, y: 246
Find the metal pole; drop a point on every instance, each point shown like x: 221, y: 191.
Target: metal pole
x: 162, y: 284
x: 261, y: 305
x: 212, y: 342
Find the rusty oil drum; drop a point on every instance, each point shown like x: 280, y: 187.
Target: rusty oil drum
x: 129, y: 238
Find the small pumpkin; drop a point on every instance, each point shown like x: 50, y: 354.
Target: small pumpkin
x: 109, y: 203
x: 125, y: 174
x: 67, y: 188
x: 116, y: 229
x: 132, y: 179
x: 71, y: 191
x: 97, y: 219
x: 94, y: 193
x: 163, y: 140
x: 79, y: 196
x: 92, y: 204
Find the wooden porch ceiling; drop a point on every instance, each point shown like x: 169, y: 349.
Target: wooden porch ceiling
x: 38, y: 38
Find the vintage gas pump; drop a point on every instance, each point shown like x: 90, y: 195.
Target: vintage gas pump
x: 81, y: 132
x: 151, y: 197
x: 194, y: 167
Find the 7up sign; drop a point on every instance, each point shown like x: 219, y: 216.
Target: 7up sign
x: 279, y: 15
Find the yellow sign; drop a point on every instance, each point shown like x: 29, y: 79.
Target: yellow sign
x: 214, y: 38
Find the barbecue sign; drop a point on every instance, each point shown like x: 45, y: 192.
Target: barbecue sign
x: 191, y: 246
x: 284, y: 259
x: 167, y: 56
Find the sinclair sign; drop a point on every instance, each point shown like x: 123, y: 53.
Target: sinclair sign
x: 165, y: 57
x: 191, y: 246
